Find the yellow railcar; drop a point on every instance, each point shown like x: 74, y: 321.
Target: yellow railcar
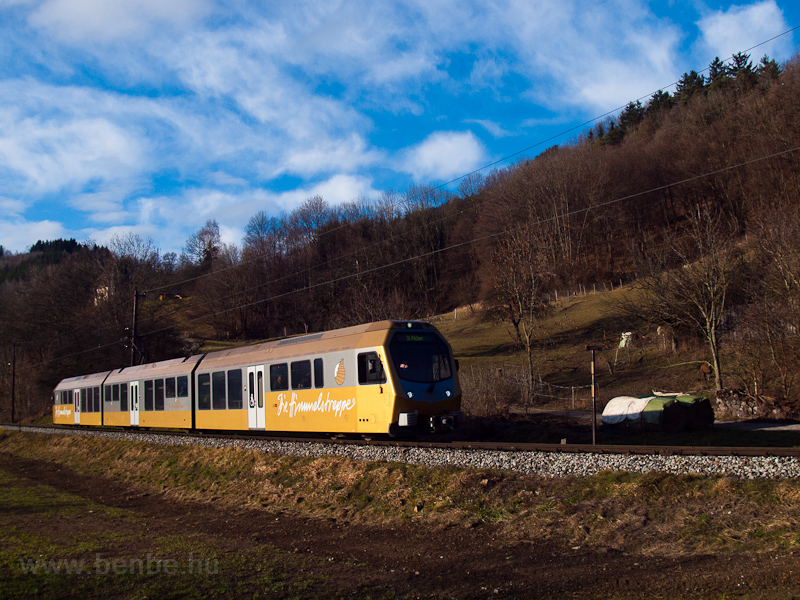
x: 390, y: 377
x: 77, y: 400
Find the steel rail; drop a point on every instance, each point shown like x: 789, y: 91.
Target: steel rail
x: 722, y: 451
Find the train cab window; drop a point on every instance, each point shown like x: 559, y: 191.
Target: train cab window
x: 421, y: 357
x: 218, y: 390
x: 107, y: 393
x: 279, y: 377
x: 319, y: 376
x: 148, y: 395
x: 204, y: 391
x: 123, y: 397
x: 301, y: 375
x: 235, y: 389
x: 182, y: 384
x: 169, y: 387
x: 370, y: 369
x: 159, y: 394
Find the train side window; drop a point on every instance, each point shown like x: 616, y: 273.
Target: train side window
x: 279, y: 377
x: 123, y: 397
x: 319, y: 374
x: 82, y: 395
x: 71, y: 397
x: 204, y: 391
x: 148, y: 395
x: 235, y: 389
x: 169, y: 387
x: 218, y: 390
x: 114, y: 394
x: 370, y: 369
x: 107, y: 393
x: 301, y: 375
x: 183, y: 386
x: 95, y: 392
x: 159, y: 394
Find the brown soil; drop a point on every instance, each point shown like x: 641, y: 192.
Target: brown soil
x: 474, y: 561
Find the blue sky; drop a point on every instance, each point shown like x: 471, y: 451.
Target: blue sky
x: 153, y: 116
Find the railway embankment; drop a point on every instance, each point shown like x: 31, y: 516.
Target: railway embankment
x: 322, y: 524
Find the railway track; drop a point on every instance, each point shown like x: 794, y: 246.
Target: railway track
x: 463, y: 445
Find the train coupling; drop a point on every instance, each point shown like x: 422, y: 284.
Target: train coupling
x: 447, y: 421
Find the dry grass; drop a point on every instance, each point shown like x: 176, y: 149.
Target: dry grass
x: 630, y: 512
x: 562, y: 363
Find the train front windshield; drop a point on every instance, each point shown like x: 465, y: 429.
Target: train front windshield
x: 420, y: 357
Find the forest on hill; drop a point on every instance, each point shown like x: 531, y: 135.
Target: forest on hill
x: 693, y: 197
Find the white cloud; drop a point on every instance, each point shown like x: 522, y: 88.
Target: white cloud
x: 224, y: 179
x: 106, y: 204
x: 155, y: 116
x: 11, y: 207
x: 597, y: 59
x: 184, y: 214
x: 343, y: 188
x: 443, y: 155
x: 493, y: 128
x: 487, y: 72
x: 51, y: 154
x: 110, y: 20
x: 19, y: 235
x: 329, y: 155
x: 725, y: 33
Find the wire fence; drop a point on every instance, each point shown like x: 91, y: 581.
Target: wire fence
x: 494, y: 391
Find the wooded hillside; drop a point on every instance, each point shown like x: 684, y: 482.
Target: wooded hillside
x: 693, y: 197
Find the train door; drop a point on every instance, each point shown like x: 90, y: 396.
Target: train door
x: 134, y: 396
x: 256, y: 411
x: 76, y: 399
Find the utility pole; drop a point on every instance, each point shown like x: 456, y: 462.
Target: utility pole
x: 594, y: 397
x: 134, y: 331
x: 13, y: 379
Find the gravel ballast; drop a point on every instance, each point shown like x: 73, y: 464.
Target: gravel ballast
x: 549, y: 464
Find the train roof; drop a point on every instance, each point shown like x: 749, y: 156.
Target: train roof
x: 82, y: 381
x: 358, y: 336
x: 366, y: 335
x: 165, y: 368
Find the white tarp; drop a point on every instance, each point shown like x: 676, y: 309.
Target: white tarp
x: 624, y: 407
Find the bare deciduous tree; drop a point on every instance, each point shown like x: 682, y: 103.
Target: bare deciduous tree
x: 693, y: 277
x: 520, y: 287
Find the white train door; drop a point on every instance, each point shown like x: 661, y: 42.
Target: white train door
x: 76, y: 398
x: 256, y: 411
x: 134, y: 398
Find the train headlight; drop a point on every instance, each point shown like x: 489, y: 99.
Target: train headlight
x: 447, y: 393
x: 410, y: 394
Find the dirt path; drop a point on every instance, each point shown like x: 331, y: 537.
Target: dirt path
x: 411, y: 560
